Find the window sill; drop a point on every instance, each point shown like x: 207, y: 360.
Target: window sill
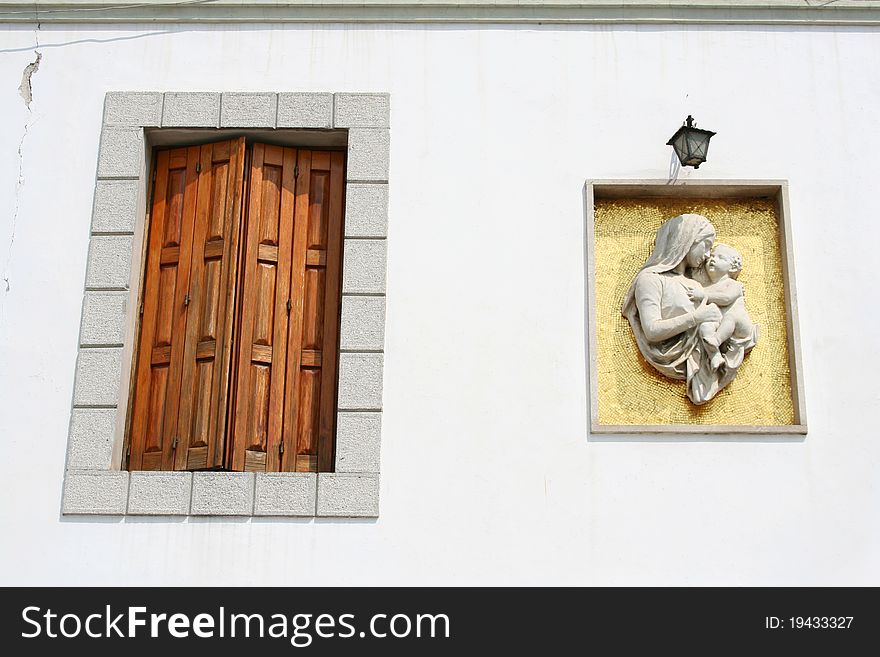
x: 284, y: 494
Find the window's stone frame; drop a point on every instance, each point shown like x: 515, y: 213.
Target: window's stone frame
x: 94, y: 484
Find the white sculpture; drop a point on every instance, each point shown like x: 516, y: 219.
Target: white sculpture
x: 686, y: 308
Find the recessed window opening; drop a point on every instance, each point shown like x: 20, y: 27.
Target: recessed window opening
x: 236, y: 362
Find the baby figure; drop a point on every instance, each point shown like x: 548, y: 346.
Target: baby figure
x: 723, y: 268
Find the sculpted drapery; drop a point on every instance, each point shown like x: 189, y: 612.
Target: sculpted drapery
x: 665, y: 320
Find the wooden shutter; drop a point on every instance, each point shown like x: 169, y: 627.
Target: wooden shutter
x: 284, y: 414
x: 183, y: 362
x: 316, y: 282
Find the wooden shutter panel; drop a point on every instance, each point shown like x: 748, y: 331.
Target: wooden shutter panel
x: 316, y: 281
x: 181, y: 386
x: 208, y: 352
x: 286, y: 364
x: 261, y: 343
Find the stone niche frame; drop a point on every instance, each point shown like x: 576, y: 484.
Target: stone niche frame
x: 773, y: 189
x: 135, y: 122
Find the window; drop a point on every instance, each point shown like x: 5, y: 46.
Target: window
x: 97, y: 480
x: 236, y: 362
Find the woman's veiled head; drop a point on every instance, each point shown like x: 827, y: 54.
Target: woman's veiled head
x: 687, y: 236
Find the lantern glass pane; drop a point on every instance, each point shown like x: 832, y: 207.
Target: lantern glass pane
x: 680, y: 146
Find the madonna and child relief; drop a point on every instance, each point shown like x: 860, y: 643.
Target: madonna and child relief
x: 687, y: 309
x: 693, y: 325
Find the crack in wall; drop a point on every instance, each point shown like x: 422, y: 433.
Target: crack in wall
x: 26, y: 90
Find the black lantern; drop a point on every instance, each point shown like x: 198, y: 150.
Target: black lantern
x: 691, y: 144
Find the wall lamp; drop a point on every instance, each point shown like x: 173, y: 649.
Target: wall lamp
x: 690, y: 143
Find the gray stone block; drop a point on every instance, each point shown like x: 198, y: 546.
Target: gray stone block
x: 159, y: 493
x: 348, y: 495
x: 223, y: 494
x: 368, y: 154
x: 95, y: 493
x: 285, y: 494
x: 248, y: 110
x: 363, y: 323
x: 135, y: 108
x: 97, y: 377
x: 116, y: 206
x: 362, y: 110
x: 109, y: 264
x: 366, y: 210
x: 305, y: 110
x: 360, y: 381
x: 357, y: 441
x: 103, y: 319
x: 191, y: 110
x: 121, y: 154
x: 90, y: 445
x: 363, y: 267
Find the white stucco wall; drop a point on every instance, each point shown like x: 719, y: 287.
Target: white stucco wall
x: 488, y: 471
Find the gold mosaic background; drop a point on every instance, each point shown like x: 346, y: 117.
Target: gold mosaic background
x: 630, y: 390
